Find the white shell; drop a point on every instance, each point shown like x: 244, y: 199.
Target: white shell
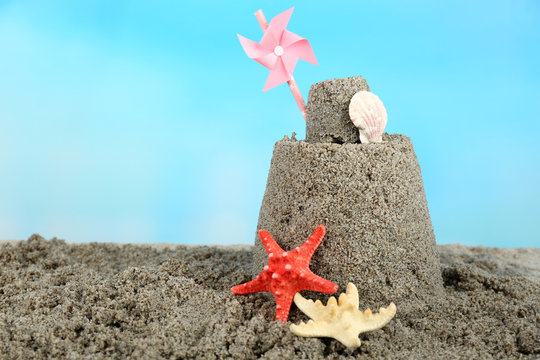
x: 368, y: 114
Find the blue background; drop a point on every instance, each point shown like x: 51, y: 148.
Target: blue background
x: 144, y: 121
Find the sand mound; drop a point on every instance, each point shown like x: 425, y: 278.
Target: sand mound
x: 371, y: 199
x: 95, y: 301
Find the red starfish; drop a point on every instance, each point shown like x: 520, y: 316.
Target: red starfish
x: 287, y: 273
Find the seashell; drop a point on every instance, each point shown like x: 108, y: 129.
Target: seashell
x: 368, y: 114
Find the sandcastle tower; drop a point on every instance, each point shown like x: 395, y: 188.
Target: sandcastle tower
x: 370, y: 197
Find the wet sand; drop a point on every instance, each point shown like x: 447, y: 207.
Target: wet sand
x: 94, y: 301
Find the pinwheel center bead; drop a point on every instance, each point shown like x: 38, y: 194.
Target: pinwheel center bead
x: 278, y: 51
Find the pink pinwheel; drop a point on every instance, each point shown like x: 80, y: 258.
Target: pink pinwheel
x: 279, y: 51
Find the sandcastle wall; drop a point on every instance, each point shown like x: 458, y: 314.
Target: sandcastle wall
x: 371, y: 199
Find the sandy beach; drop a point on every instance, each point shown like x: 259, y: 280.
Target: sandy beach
x: 96, y: 301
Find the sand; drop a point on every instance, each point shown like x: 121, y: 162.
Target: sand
x: 371, y: 199
x: 95, y: 301
x: 327, y: 111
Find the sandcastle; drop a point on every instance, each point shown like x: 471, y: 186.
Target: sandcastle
x: 370, y: 197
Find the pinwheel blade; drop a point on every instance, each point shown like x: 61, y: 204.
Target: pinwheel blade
x: 289, y: 61
x: 253, y: 49
x: 299, y: 47
x: 278, y: 75
x: 257, y: 52
x: 289, y: 38
x: 272, y: 35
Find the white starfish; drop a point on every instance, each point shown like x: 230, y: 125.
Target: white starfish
x: 340, y: 320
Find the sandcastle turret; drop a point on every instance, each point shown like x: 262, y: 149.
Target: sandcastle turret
x: 370, y: 197
x: 327, y: 111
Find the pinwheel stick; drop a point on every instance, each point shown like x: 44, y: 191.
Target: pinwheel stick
x: 292, y: 84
